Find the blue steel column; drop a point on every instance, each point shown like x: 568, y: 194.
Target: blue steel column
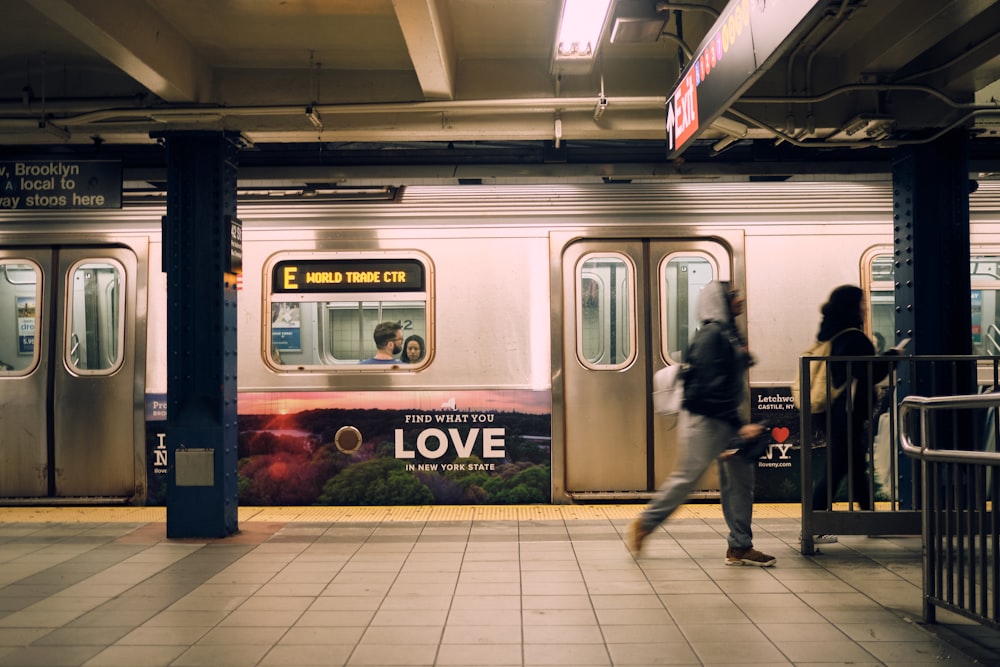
x: 201, y: 334
x: 931, y: 239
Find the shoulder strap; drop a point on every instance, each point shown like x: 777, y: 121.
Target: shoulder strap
x: 843, y: 331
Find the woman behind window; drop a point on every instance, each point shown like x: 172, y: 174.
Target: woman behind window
x: 413, y: 350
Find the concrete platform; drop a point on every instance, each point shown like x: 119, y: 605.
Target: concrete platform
x: 489, y: 586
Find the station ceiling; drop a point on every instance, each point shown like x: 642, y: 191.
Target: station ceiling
x: 352, y: 91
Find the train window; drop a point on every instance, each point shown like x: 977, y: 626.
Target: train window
x: 20, y: 293
x: 323, y: 312
x: 682, y: 277
x: 984, y: 273
x: 95, y: 305
x: 606, y: 311
x: 882, y: 304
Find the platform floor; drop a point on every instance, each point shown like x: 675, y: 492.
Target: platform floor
x: 461, y: 586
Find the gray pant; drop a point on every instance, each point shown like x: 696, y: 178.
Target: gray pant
x: 701, y: 440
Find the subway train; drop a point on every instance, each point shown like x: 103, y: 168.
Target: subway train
x: 542, y: 313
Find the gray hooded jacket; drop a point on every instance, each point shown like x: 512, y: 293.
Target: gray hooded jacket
x: 715, y: 380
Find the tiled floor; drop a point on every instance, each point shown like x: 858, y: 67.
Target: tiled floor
x: 457, y: 586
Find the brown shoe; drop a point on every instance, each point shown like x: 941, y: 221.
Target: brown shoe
x: 636, y: 536
x: 749, y: 556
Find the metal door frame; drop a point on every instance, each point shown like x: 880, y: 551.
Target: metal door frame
x: 733, y: 240
x: 50, y: 333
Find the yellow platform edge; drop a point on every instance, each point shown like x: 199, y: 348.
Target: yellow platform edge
x: 440, y: 513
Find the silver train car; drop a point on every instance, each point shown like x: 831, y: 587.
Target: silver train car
x: 543, y: 313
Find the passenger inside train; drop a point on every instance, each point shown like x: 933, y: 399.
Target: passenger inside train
x: 413, y: 350
x: 388, y: 343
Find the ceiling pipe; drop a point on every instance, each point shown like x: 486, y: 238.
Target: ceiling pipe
x: 864, y: 87
x: 881, y: 143
x: 25, y: 118
x: 32, y: 105
x: 688, y: 53
x: 793, y: 56
x: 215, y: 113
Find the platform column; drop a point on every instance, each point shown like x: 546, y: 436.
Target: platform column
x: 931, y: 272
x: 199, y: 249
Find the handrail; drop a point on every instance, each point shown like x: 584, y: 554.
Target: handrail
x: 889, y: 475
x: 925, y: 405
x: 960, y: 523
x: 992, y: 331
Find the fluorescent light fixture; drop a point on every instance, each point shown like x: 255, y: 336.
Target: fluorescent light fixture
x: 580, y: 28
x: 313, y: 115
x: 629, y: 30
x: 58, y: 132
x: 723, y: 143
x: 731, y: 127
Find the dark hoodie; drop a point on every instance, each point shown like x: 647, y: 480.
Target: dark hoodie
x: 714, y: 383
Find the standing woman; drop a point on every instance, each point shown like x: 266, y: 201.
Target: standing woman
x: 711, y: 424
x: 843, y: 319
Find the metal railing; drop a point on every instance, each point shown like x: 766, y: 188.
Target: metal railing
x: 992, y: 339
x: 960, y: 496
x: 881, y: 491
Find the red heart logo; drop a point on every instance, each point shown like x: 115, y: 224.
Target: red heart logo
x: 779, y: 433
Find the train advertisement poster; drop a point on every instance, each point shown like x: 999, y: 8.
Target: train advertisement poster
x: 779, y: 469
x: 286, y: 327
x: 415, y: 448
x: 25, y: 311
x: 440, y: 448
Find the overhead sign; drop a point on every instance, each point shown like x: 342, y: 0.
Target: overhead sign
x: 735, y: 53
x: 48, y: 185
x: 347, y: 275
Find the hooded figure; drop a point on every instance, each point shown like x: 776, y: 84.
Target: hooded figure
x: 715, y: 382
x: 711, y: 424
x: 843, y: 424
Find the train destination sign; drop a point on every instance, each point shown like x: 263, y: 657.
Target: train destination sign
x: 50, y: 185
x: 347, y: 275
x: 742, y: 45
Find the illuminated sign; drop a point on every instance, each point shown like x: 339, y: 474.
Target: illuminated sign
x: 235, y: 245
x: 737, y: 51
x: 47, y: 185
x: 347, y: 275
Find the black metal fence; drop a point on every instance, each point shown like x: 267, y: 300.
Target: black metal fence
x: 960, y: 496
x: 853, y: 480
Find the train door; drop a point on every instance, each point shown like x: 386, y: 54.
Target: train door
x: 628, y: 310
x: 69, y: 395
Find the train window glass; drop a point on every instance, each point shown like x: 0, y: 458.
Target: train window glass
x: 351, y: 326
x: 94, y: 331
x: 20, y: 293
x: 318, y: 321
x: 984, y: 272
x: 332, y: 333
x: 882, y: 302
x: 606, y: 311
x: 985, y: 279
x: 682, y: 277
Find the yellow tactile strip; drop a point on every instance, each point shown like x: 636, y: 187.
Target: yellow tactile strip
x: 389, y: 514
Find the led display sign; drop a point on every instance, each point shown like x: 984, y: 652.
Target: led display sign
x: 739, y: 48
x: 347, y: 275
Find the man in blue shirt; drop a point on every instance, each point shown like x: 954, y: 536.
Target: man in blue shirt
x: 388, y: 343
